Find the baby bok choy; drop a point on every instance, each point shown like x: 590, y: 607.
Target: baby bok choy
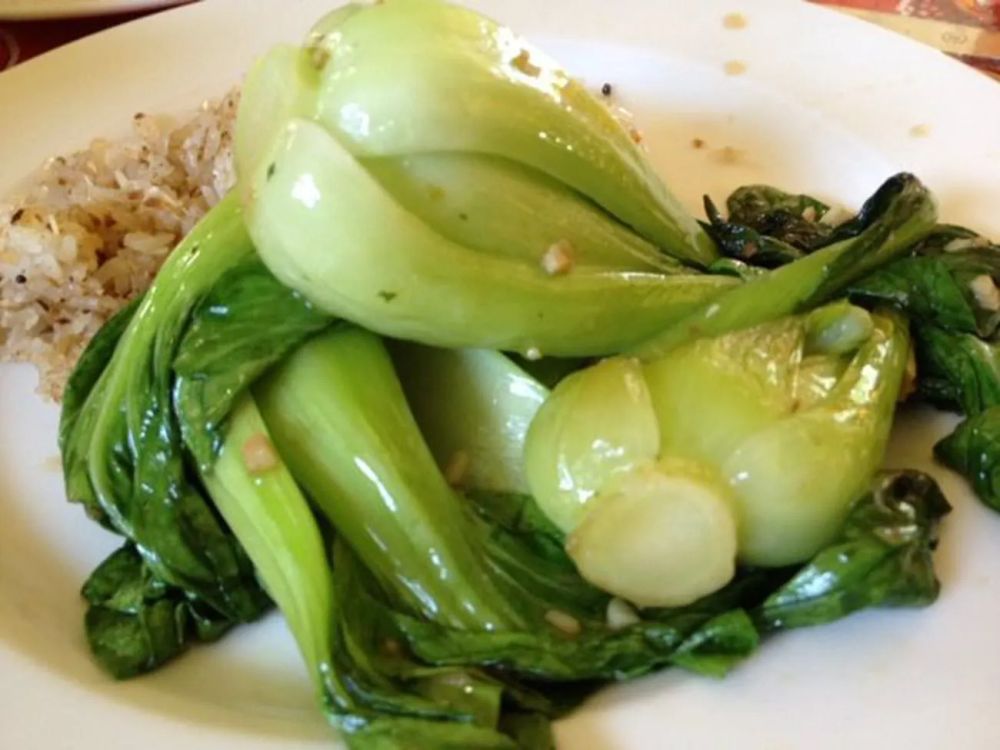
x: 746, y: 447
x: 145, y: 403
x: 123, y: 460
x: 441, y: 618
x: 463, y: 225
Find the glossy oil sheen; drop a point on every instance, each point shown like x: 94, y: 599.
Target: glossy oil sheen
x: 338, y: 415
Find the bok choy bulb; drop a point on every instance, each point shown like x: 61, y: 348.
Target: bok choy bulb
x: 421, y: 171
x: 750, y: 446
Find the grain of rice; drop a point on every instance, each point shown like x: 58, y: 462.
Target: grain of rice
x: 89, y: 231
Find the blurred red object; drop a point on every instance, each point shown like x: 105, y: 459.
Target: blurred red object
x: 967, y: 29
x: 22, y: 40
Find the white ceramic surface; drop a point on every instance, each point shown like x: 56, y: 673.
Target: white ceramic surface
x: 826, y: 104
x: 17, y: 10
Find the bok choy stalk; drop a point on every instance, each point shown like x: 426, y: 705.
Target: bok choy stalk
x: 746, y: 446
x: 456, y: 76
x: 946, y: 284
x: 338, y: 414
x: 259, y: 500
x: 340, y: 619
x: 900, y: 213
x: 467, y: 227
x: 478, y: 440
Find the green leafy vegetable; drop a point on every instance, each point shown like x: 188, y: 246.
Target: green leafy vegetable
x: 121, y: 442
x: 767, y: 226
x: 973, y: 449
x: 394, y: 701
x: 246, y: 323
x: 339, y: 417
x: 883, y: 557
x: 507, y: 209
x: 234, y: 421
x: 430, y: 64
x: 709, y: 451
x: 473, y: 407
x: 896, y: 217
x: 135, y: 622
x: 359, y: 255
x: 542, y: 232
x: 948, y: 288
x: 261, y: 503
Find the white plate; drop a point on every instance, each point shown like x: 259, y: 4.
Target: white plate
x: 17, y: 10
x: 826, y: 105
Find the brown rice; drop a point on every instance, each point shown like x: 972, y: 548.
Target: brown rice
x: 89, y: 231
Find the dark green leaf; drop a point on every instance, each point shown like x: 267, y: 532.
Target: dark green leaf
x: 957, y: 370
x: 135, y: 622
x: 123, y: 453
x: 718, y: 645
x: 925, y: 288
x: 768, y: 227
x: 955, y: 338
x: 973, y: 449
x: 84, y: 380
x: 900, y: 214
x: 883, y: 558
x: 246, y: 323
x: 768, y: 210
x: 934, y: 284
x: 386, y: 700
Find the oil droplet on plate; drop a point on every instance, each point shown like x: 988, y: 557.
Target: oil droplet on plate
x: 734, y: 21
x: 735, y: 67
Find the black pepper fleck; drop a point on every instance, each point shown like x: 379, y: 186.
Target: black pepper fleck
x: 21, y: 278
x: 270, y: 170
x: 463, y: 216
x: 16, y: 216
x: 388, y: 296
x: 606, y: 89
